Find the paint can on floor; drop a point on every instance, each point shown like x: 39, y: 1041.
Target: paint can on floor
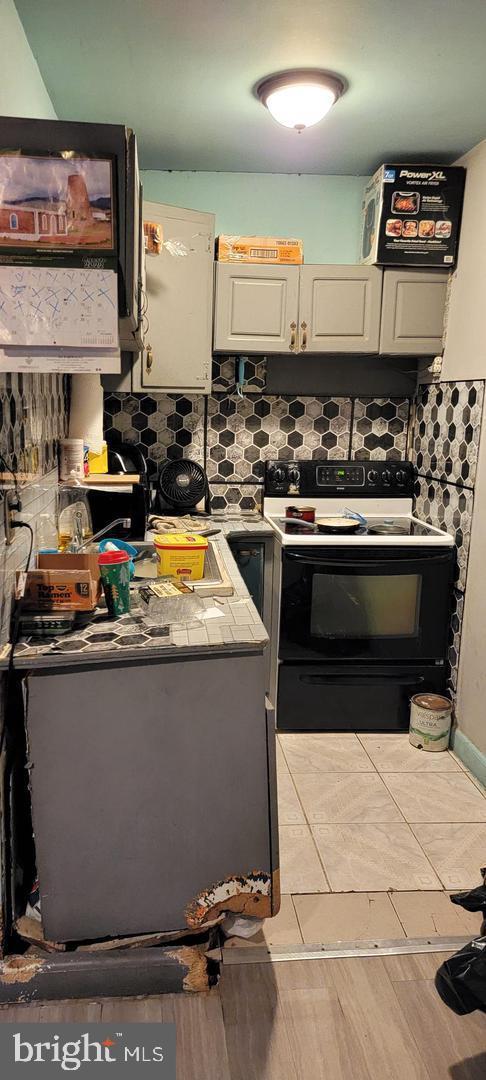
x: 430, y: 721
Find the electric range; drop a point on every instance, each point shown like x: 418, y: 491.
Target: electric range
x: 362, y: 619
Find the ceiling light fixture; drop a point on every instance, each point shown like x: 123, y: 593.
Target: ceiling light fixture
x: 299, y: 99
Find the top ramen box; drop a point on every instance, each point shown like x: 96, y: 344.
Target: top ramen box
x: 412, y: 215
x: 259, y: 249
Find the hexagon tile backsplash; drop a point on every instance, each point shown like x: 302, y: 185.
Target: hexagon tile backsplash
x: 233, y: 436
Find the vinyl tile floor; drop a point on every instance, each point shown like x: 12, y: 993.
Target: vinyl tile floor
x: 368, y: 1018
x: 374, y: 834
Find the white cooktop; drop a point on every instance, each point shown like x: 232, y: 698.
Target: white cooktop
x: 398, y: 510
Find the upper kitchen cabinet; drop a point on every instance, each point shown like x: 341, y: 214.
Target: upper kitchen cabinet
x: 412, y: 316
x: 277, y: 309
x: 256, y: 308
x: 176, y: 357
x: 339, y: 309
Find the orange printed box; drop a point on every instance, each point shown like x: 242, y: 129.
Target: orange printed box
x: 59, y: 590
x: 259, y: 249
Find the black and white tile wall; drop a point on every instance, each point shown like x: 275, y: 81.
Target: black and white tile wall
x: 233, y: 435
x: 33, y: 417
x: 444, y: 447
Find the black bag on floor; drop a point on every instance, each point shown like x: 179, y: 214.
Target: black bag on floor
x: 461, y: 980
x: 474, y: 899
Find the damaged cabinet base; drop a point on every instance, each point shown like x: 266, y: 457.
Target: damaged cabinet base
x: 117, y: 974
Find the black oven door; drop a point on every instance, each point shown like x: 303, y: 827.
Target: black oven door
x: 367, y: 604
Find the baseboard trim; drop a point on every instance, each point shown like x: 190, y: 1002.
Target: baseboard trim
x: 471, y: 757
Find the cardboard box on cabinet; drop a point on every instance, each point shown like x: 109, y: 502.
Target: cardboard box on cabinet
x: 412, y: 215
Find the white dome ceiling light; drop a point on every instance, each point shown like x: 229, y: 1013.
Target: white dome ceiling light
x: 299, y: 99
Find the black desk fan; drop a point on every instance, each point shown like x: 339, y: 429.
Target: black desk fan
x: 181, y: 485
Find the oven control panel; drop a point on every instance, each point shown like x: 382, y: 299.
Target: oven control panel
x: 332, y: 477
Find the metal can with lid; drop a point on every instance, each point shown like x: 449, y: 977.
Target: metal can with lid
x: 302, y: 513
x: 430, y: 721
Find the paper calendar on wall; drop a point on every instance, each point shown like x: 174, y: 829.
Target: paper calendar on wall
x: 44, y: 307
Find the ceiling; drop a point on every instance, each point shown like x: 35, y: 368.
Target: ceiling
x: 181, y: 73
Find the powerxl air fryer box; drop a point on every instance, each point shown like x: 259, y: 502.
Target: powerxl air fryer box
x: 412, y: 215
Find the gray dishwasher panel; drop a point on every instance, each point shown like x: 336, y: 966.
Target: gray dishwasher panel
x: 150, y: 784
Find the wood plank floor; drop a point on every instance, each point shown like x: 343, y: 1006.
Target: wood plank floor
x: 362, y: 1018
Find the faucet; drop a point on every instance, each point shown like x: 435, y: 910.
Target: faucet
x: 126, y: 522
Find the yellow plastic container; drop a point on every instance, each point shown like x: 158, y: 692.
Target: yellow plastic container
x: 181, y: 555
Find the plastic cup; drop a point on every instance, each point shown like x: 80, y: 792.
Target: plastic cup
x: 115, y: 577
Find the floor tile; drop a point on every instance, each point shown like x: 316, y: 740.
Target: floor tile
x: 284, y: 928
x: 300, y: 869
x: 456, y: 852
x: 431, y: 914
x: 347, y: 917
x: 290, y: 811
x: 280, y: 754
x: 320, y: 752
x: 435, y: 798
x: 474, y: 780
x: 346, y: 797
x: 373, y: 858
x: 394, y: 753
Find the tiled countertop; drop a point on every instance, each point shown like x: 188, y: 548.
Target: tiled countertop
x: 135, y: 637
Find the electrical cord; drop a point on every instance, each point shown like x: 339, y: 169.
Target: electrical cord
x: 25, y: 525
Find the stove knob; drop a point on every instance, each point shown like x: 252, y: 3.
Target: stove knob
x: 277, y: 474
x: 294, y: 476
x: 372, y: 476
x: 400, y: 477
x: 386, y: 476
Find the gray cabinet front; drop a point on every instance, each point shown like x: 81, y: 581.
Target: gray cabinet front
x: 176, y: 357
x: 256, y: 308
x: 339, y: 309
x: 153, y: 799
x: 413, y: 308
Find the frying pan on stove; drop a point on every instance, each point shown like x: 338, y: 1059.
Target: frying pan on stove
x: 336, y: 524
x: 339, y: 525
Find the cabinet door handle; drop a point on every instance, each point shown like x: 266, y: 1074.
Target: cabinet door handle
x: 293, y: 328
x: 303, y: 327
x: 149, y: 359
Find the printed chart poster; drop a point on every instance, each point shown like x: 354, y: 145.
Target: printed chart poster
x: 54, y: 203
x: 58, y: 308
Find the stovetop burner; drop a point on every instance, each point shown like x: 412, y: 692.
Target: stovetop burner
x: 390, y: 527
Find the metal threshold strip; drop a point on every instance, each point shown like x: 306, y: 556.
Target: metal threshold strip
x: 273, y: 954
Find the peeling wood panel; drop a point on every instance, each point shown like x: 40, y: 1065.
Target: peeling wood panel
x: 245, y: 895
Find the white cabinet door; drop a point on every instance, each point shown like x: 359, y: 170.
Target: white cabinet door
x: 179, y: 290
x: 413, y: 308
x: 256, y: 308
x: 339, y: 309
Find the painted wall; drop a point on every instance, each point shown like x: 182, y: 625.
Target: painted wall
x: 465, y: 352
x: 22, y: 89
x: 323, y: 211
x: 471, y: 690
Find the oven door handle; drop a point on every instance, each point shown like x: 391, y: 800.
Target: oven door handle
x: 356, y: 564
x: 371, y: 680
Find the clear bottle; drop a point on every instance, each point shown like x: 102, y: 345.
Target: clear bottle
x: 75, y: 524
x: 46, y: 536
